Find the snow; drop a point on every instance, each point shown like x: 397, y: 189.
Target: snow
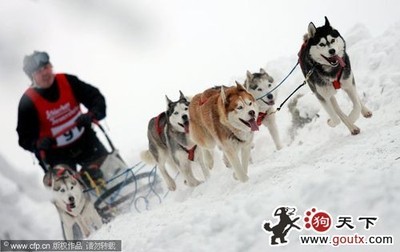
x: 323, y: 167
x: 320, y: 167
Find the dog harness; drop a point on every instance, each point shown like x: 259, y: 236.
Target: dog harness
x: 190, y: 152
x: 261, y: 116
x: 56, y: 117
x: 159, y: 128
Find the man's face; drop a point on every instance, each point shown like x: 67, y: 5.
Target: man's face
x: 44, y: 76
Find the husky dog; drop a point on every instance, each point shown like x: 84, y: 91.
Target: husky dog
x: 169, y: 142
x: 260, y: 84
x: 226, y: 117
x: 324, y: 59
x: 77, y: 213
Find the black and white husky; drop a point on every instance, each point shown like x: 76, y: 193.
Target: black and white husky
x: 77, y: 213
x: 260, y: 86
x: 324, y: 61
x: 169, y: 143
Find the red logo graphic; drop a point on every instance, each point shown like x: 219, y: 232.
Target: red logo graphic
x: 320, y: 221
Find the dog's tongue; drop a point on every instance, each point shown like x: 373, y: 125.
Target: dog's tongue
x: 186, y: 127
x: 69, y: 207
x: 253, y: 124
x: 339, y: 59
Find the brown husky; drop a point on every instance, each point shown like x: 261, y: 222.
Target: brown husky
x: 226, y: 117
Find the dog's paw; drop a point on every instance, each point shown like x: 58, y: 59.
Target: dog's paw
x: 355, y: 131
x: 242, y: 178
x: 226, y: 162
x: 333, y: 122
x: 193, y: 183
x: 172, y: 186
x: 366, y: 113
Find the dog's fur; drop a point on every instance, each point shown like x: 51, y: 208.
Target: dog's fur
x: 260, y: 84
x: 226, y: 117
x: 324, y: 51
x: 281, y: 229
x: 77, y: 213
x: 169, y: 143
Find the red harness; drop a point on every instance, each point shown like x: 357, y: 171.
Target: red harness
x: 261, y: 116
x: 159, y: 128
x: 190, y: 152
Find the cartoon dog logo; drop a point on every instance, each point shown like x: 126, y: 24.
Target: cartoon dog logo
x: 282, y: 228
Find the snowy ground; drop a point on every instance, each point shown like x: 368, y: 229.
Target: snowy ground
x: 321, y: 167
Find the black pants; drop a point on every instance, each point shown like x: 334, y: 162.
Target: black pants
x: 85, y: 151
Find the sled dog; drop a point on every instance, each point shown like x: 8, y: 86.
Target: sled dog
x: 77, y: 213
x: 259, y: 85
x: 169, y: 143
x: 226, y: 117
x: 324, y: 59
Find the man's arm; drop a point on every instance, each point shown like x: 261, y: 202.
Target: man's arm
x: 89, y: 96
x: 27, y: 125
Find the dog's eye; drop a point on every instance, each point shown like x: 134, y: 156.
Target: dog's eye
x: 72, y: 187
x: 259, y: 89
x: 269, y: 85
x: 332, y: 41
x: 176, y: 113
x: 250, y: 103
x: 322, y: 45
x: 239, y: 107
x: 62, y: 190
x: 186, y: 109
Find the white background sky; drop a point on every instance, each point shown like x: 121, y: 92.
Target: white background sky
x: 138, y: 51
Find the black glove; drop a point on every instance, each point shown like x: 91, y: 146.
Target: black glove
x: 84, y: 120
x: 45, y: 143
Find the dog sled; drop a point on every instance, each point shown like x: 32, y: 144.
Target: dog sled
x: 123, y: 188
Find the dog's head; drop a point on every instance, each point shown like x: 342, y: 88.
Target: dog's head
x: 178, y: 113
x: 66, y: 189
x: 284, y: 211
x: 260, y: 85
x: 239, y: 108
x: 326, y: 45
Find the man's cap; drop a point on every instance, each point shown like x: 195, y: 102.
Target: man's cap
x: 34, y: 62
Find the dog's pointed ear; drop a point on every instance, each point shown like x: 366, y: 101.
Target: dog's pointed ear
x: 168, y: 102
x: 327, y: 22
x: 181, y: 96
x: 278, y: 211
x: 249, y: 75
x: 47, y: 179
x: 240, y: 86
x: 311, y: 30
x: 223, y: 95
x: 262, y: 71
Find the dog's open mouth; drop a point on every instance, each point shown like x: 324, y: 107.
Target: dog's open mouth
x: 252, y: 124
x: 334, y: 60
x: 270, y: 102
x: 185, y: 126
x: 70, y: 206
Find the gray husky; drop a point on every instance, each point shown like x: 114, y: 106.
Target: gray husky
x: 169, y: 143
x: 78, y: 215
x: 324, y: 60
x: 260, y: 84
